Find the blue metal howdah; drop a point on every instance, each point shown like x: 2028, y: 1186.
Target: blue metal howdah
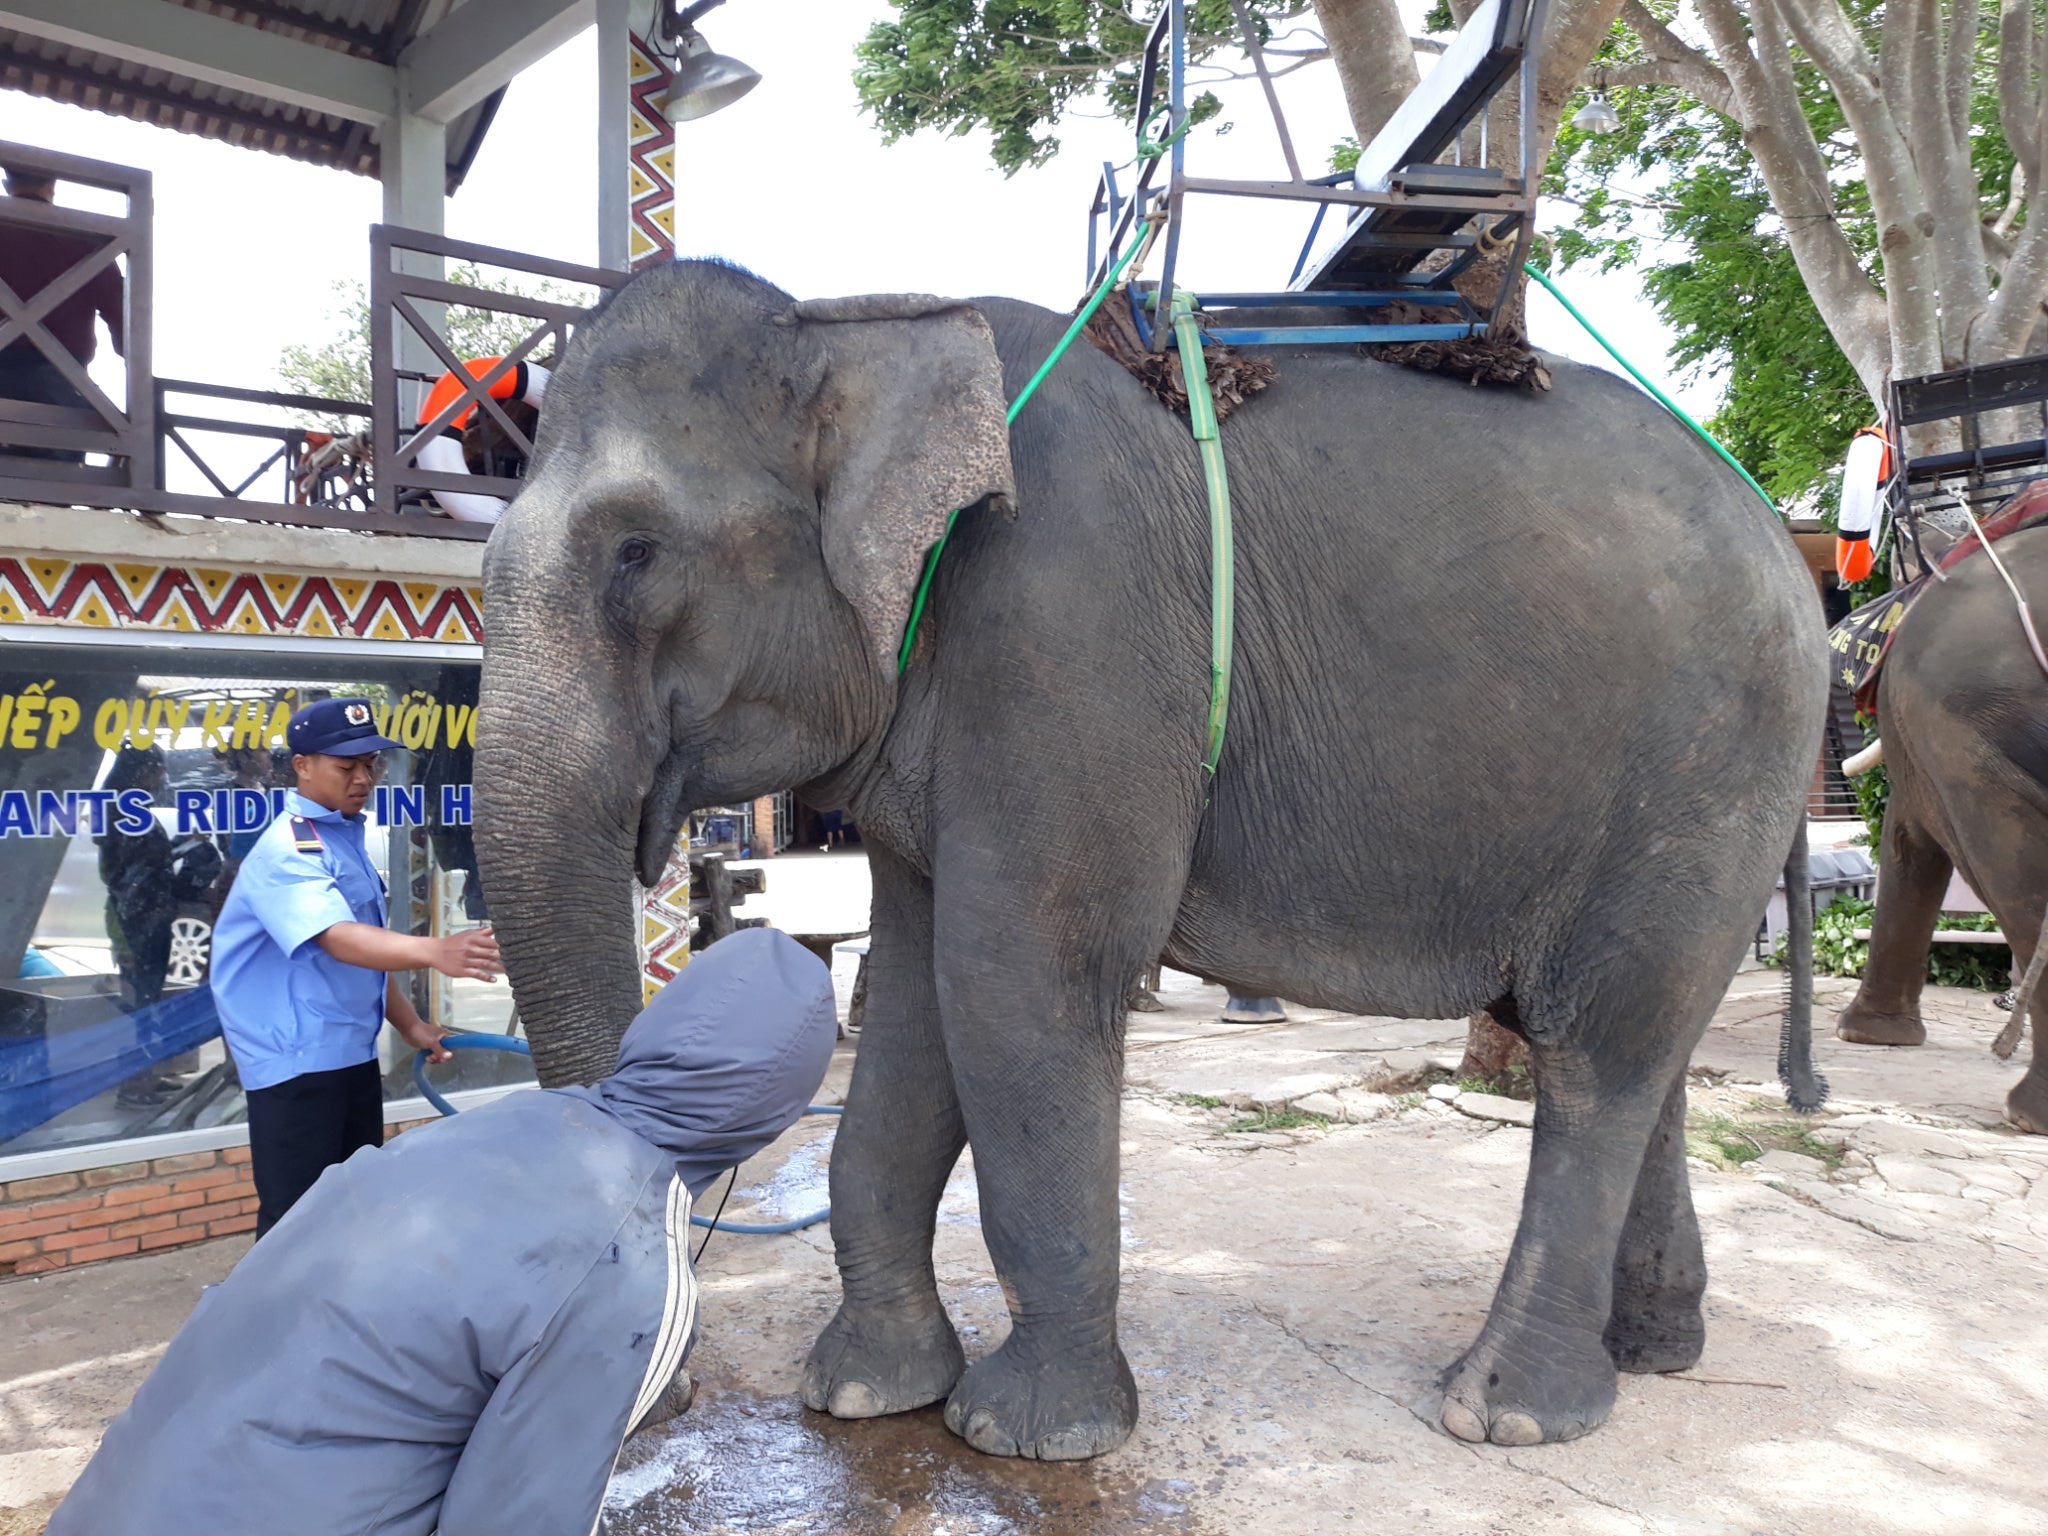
x: 1414, y: 215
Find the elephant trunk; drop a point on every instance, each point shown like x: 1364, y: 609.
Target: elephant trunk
x: 555, y: 824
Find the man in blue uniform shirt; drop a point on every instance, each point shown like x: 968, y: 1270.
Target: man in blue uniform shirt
x: 300, y: 956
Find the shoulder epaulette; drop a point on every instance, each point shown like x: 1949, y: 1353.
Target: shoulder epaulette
x: 305, y: 836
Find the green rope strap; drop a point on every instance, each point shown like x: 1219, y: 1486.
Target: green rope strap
x: 1222, y: 556
x: 1655, y: 393
x: 931, y: 560
x: 1150, y: 148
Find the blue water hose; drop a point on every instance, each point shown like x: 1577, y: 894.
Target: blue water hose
x: 479, y: 1042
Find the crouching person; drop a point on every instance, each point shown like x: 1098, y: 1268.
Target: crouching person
x: 456, y: 1332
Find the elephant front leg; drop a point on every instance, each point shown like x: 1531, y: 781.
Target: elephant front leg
x: 1886, y: 1007
x: 1040, y: 1085
x: 891, y: 1347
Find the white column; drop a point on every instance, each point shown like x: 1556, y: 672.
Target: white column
x: 415, y: 166
x: 614, y: 99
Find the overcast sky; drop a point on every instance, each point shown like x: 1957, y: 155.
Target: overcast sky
x: 792, y: 182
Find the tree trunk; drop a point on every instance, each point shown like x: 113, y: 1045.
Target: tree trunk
x: 1374, y: 58
x: 1491, y: 1050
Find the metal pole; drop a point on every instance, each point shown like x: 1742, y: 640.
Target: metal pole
x: 1258, y: 55
x: 1177, y: 40
x: 614, y: 100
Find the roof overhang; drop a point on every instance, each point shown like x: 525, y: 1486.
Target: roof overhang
x: 319, y: 80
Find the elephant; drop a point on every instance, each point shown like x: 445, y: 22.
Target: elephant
x: 1560, y: 669
x: 1963, y: 707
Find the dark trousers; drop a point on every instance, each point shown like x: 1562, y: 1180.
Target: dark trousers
x: 299, y: 1127
x: 26, y: 374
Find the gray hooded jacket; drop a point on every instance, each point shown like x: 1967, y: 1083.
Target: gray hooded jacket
x: 455, y: 1332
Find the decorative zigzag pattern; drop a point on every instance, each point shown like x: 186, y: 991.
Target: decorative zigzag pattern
x: 215, y: 600
x: 665, y: 926
x: 651, y: 159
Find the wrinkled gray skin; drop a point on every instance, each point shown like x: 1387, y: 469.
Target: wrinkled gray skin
x: 1963, y: 709
x: 1527, y: 695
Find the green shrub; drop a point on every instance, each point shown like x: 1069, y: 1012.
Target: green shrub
x: 1838, y: 952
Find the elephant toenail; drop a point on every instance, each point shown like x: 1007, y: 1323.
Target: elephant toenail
x: 1066, y: 1445
x: 1516, y: 1429
x: 984, y: 1434
x: 855, y: 1400
x: 1463, y: 1422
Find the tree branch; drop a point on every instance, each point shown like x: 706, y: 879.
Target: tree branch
x: 1777, y: 134
x: 1672, y: 62
x: 2016, y: 111
x: 1905, y: 222
x: 2010, y: 316
x: 1961, y: 67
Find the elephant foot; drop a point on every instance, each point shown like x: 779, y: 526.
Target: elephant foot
x: 2027, y: 1105
x: 867, y: 1363
x: 1253, y: 1010
x: 673, y: 1403
x: 1653, y: 1333
x: 1065, y: 1409
x: 1528, y: 1391
x: 1866, y: 1026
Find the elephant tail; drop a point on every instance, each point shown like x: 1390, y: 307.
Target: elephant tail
x: 1805, y: 1089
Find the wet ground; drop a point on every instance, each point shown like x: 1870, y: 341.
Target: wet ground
x: 742, y: 1461
x: 1294, y: 1284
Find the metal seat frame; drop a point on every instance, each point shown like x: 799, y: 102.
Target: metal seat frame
x: 1405, y: 206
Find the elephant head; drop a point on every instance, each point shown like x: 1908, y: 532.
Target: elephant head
x: 699, y: 593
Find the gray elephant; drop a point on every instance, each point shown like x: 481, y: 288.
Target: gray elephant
x: 1963, y: 707
x: 1557, y: 671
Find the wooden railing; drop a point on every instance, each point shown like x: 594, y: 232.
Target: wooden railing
x: 125, y: 454
x: 396, y: 314
x: 123, y: 432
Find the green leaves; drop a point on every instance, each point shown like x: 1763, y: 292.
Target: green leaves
x: 1015, y: 67
x: 1838, y: 952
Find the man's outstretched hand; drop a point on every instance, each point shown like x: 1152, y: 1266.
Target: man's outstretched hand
x: 471, y: 955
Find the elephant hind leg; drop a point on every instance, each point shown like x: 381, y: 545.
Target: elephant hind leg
x: 2027, y: 1105
x: 1660, y: 1271
x: 1886, y: 1007
x: 1606, y: 1266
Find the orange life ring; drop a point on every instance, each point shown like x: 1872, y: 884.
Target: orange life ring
x: 522, y: 381
x: 1865, y: 472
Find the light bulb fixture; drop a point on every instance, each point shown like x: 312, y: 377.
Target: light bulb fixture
x: 1598, y: 114
x: 704, y: 81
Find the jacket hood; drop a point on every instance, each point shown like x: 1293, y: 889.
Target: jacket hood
x: 727, y: 1056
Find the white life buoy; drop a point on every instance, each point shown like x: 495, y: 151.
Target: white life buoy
x: 1864, y: 473
x: 522, y: 381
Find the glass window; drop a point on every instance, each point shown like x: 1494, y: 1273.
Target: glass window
x: 133, y: 781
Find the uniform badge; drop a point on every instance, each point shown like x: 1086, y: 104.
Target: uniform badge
x: 357, y: 714
x: 305, y: 836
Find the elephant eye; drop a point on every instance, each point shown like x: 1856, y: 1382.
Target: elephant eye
x: 635, y: 552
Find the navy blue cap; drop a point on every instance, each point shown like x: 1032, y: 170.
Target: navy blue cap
x: 338, y: 727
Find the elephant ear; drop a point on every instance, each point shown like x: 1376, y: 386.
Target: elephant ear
x: 913, y: 429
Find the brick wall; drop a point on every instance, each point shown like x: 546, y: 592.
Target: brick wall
x: 64, y: 1219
